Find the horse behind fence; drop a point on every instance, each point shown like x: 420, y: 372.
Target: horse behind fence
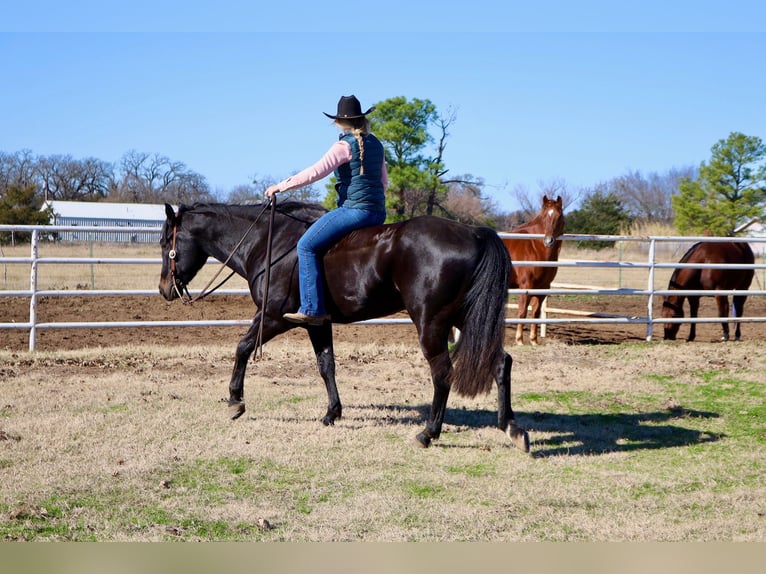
x: 549, y: 221
x: 691, y: 279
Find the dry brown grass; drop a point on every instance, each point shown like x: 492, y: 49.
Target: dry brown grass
x: 633, y: 443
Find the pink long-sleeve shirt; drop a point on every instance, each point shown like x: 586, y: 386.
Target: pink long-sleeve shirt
x: 338, y: 154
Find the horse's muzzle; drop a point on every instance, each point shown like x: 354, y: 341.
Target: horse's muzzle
x: 167, y: 289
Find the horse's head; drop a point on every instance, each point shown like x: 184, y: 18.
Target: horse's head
x: 672, y: 306
x: 552, y: 216
x: 181, y: 256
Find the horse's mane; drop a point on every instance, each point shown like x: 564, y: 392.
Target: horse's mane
x: 683, y: 259
x: 295, y: 209
x: 688, y: 253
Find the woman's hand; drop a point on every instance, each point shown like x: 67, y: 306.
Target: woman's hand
x: 271, y: 190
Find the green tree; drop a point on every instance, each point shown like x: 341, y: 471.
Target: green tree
x: 730, y: 190
x: 402, y: 126
x: 417, y: 176
x: 601, y: 213
x: 21, y: 206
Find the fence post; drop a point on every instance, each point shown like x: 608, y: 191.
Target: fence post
x: 33, y: 289
x: 650, y: 288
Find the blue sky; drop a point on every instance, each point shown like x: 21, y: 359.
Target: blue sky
x: 578, y: 91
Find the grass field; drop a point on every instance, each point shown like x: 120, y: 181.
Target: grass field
x: 629, y: 443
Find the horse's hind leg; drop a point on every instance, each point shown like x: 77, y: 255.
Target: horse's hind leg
x: 433, y: 343
x: 723, y: 311
x: 321, y: 341
x: 441, y: 365
x: 694, y: 305
x: 739, y: 310
x: 506, y: 421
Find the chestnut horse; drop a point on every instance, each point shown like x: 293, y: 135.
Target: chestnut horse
x: 549, y: 222
x: 691, y: 279
x: 443, y: 273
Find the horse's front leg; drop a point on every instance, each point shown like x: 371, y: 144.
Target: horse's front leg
x: 537, y: 303
x: 522, y: 314
x: 723, y: 311
x: 321, y: 341
x: 245, y: 349
x: 694, y: 305
x: 506, y: 420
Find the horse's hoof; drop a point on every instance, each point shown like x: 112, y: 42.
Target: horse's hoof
x: 328, y: 421
x: 519, y: 437
x: 422, y: 440
x: 236, y: 410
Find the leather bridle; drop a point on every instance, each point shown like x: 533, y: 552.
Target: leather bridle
x: 173, y: 254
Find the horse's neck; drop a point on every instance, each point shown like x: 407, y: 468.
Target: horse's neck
x: 227, y: 247
x: 527, y: 227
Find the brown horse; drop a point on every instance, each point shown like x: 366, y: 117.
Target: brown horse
x: 691, y: 279
x: 549, y: 222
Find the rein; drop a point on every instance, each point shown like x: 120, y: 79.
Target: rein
x: 266, y: 280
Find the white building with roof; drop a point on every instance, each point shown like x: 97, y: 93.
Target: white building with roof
x: 102, y: 214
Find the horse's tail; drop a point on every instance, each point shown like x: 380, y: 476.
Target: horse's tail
x: 476, y: 357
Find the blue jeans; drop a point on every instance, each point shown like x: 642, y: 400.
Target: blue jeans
x: 323, y: 234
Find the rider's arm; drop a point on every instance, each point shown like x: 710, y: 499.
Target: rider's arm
x: 338, y: 154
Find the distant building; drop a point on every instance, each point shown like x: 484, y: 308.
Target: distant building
x: 89, y: 213
x: 754, y: 228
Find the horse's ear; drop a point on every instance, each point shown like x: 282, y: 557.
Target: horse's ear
x: 559, y: 201
x: 171, y: 215
x: 545, y: 199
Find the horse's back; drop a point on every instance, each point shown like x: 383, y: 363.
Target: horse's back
x: 712, y: 252
x: 380, y: 269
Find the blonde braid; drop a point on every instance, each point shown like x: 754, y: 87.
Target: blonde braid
x: 359, y: 128
x: 358, y: 133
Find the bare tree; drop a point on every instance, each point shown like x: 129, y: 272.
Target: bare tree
x: 465, y: 203
x: 147, y: 178
x: 62, y: 177
x: 17, y: 169
x: 649, y: 198
x: 530, y: 202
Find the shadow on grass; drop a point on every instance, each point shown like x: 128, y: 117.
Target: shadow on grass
x: 577, y: 434
x: 587, y: 434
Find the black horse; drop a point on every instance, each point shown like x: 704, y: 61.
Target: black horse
x: 444, y: 274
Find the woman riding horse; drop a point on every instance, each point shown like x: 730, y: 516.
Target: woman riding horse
x: 358, y: 161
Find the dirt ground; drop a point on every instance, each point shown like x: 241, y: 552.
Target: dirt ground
x: 72, y: 309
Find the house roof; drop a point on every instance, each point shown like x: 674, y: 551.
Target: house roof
x: 103, y: 210
x: 752, y: 228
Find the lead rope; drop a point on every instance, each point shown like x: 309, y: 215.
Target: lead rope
x: 266, y: 279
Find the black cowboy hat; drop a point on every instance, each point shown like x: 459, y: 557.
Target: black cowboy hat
x: 349, y: 108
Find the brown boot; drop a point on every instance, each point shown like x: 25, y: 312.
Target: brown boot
x: 307, y: 319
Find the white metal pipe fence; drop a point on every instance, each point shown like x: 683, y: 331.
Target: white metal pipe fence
x: 650, y: 292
